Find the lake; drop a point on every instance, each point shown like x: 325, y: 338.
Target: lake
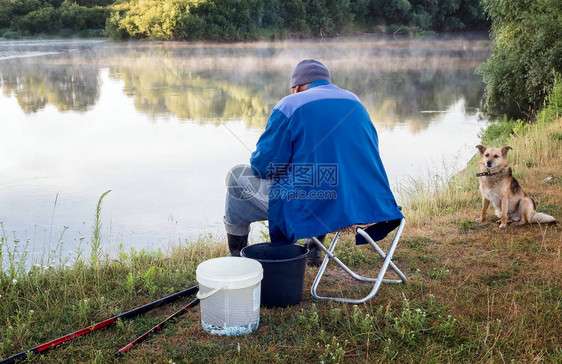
x: 160, y: 124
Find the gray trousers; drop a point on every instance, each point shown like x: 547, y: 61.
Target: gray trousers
x: 247, y: 199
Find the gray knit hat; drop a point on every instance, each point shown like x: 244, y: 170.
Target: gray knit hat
x: 309, y: 70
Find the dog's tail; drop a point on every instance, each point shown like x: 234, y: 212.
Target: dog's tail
x: 542, y: 218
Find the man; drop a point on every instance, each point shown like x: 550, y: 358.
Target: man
x: 316, y: 168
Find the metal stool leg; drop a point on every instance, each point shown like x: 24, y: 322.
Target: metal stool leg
x: 377, y: 281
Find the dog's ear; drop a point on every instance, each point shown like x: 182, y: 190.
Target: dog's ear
x: 481, y: 148
x: 506, y: 149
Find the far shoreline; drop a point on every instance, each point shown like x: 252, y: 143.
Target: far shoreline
x: 445, y: 35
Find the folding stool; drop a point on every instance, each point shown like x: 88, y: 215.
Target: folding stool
x: 370, y: 235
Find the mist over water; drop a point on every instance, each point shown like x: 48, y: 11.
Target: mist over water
x: 161, y: 123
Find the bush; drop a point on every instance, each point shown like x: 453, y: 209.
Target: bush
x: 33, y: 16
x: 422, y: 19
x: 554, y: 100
x: 97, y: 33
x: 155, y: 19
x: 498, y: 132
x: 44, y: 20
x: 193, y: 27
x: 91, y: 33
x: 518, y: 74
x: 66, y: 33
x: 84, y: 33
x: 229, y: 19
x: 79, y: 17
x: 11, y: 35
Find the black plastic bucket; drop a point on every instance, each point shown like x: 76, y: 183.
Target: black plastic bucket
x: 283, y: 272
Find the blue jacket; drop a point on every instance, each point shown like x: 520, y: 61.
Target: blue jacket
x: 321, y: 150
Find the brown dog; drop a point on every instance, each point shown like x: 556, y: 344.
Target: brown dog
x: 498, y: 186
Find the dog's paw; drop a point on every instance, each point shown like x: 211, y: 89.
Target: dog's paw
x: 478, y: 219
x: 503, y: 226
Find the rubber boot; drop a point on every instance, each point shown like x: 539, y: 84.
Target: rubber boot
x: 314, y: 257
x: 236, y: 243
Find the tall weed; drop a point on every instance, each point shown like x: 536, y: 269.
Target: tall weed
x: 96, y: 253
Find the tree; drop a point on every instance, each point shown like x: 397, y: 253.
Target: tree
x: 5, y: 13
x: 360, y: 10
x: 76, y: 17
x: 43, y: 20
x: 340, y: 12
x: 270, y: 14
x: 294, y: 15
x: 397, y: 11
x: 156, y: 19
x: 528, y: 47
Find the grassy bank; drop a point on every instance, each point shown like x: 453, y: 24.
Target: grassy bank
x: 475, y: 293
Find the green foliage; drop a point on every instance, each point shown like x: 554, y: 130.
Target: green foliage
x: 11, y: 35
x: 472, y: 14
x: 293, y: 13
x: 422, y: 19
x: 248, y: 19
x: 227, y: 19
x: 112, y: 27
x: 233, y: 19
x: 264, y: 233
x: 438, y: 273
x: 76, y: 17
x: 445, y: 15
x: 360, y: 10
x: 96, y: 253
x: 554, y: 101
x: 333, y: 352
x: 467, y: 225
x: 528, y: 46
x: 498, y: 132
x: 426, y: 14
x: 50, y: 16
x: 4, y: 14
x: 153, y: 19
x: 191, y: 19
x: 309, y: 318
x: 91, y: 3
x: 91, y: 33
x: 397, y: 11
x: 43, y: 20
x: 56, y: 3
x: 271, y: 14
x: 17, y: 9
x: 329, y: 17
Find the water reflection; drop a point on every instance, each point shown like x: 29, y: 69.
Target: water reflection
x: 191, y: 96
x: 145, y: 120
x: 222, y: 96
x: 396, y: 98
x: 213, y: 82
x: 67, y: 88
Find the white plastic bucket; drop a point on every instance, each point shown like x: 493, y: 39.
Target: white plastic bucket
x: 229, y: 290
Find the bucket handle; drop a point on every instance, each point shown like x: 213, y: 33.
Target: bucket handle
x: 202, y: 296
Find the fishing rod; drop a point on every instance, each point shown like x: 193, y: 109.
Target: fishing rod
x: 161, y: 325
x: 100, y: 325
